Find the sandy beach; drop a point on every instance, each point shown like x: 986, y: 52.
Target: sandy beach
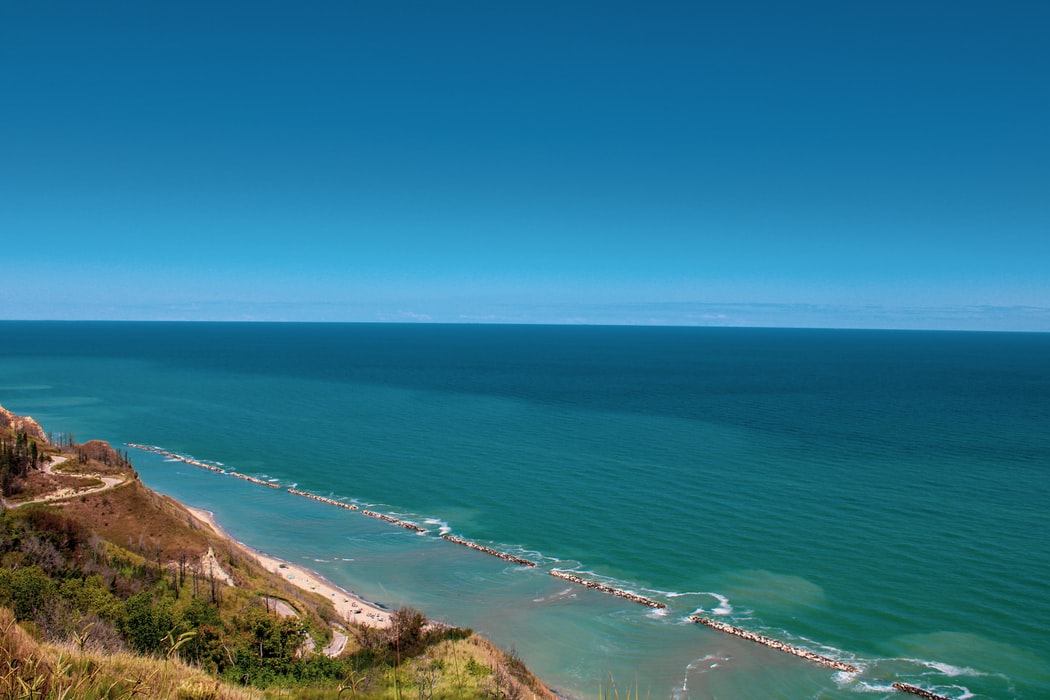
x: 350, y: 607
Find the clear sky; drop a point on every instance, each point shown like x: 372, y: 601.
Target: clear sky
x: 860, y: 163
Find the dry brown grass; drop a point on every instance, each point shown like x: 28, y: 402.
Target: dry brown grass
x: 135, y: 517
x: 29, y: 669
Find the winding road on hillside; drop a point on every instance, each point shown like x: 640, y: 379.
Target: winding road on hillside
x: 108, y: 482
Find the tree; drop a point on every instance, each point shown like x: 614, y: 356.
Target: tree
x: 406, y: 629
x: 147, y: 622
x: 31, y: 591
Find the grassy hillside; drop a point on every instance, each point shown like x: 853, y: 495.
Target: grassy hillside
x: 108, y: 589
x: 31, y: 669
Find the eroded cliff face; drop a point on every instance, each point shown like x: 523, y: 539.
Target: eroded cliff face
x: 21, y: 423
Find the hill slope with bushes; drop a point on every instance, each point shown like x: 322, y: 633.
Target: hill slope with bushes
x: 108, y: 589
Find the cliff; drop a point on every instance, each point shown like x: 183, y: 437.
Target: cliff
x: 21, y: 424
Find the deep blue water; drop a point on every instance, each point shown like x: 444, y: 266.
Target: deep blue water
x: 878, y: 496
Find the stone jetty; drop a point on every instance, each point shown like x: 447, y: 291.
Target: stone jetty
x: 403, y: 523
x: 775, y: 644
x: 915, y: 690
x: 594, y: 585
x: 322, y: 499
x: 267, y: 484
x: 489, y: 550
x: 180, y: 458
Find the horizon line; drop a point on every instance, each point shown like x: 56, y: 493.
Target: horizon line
x: 494, y: 323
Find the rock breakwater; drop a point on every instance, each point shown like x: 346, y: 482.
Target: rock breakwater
x: 180, y: 458
x: 594, y: 585
x: 915, y: 690
x: 267, y: 484
x: 775, y: 644
x: 403, y: 523
x: 489, y: 550
x: 322, y: 499
x: 372, y: 514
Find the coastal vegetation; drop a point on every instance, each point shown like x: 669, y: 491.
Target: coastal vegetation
x: 108, y: 589
x: 17, y: 457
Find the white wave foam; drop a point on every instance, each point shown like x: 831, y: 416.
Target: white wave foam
x: 941, y: 667
x: 865, y: 687
x: 723, y: 607
x: 443, y: 529
x: 708, y: 663
x: 949, y: 670
x: 844, y: 678
x: 567, y: 593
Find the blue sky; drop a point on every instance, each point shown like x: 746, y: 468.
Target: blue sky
x: 854, y: 164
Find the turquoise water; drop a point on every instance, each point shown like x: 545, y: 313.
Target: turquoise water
x: 875, y: 496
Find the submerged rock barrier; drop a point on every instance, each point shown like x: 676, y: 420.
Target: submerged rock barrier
x: 915, y: 690
x: 403, y: 523
x: 322, y: 499
x: 774, y: 644
x: 267, y: 484
x: 489, y: 550
x: 180, y: 458
x: 633, y: 597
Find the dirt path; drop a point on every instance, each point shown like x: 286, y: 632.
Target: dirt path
x: 54, y: 462
x: 108, y: 482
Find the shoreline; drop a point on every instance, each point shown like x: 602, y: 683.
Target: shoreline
x: 350, y: 606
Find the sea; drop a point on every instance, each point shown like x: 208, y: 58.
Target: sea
x: 876, y: 497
